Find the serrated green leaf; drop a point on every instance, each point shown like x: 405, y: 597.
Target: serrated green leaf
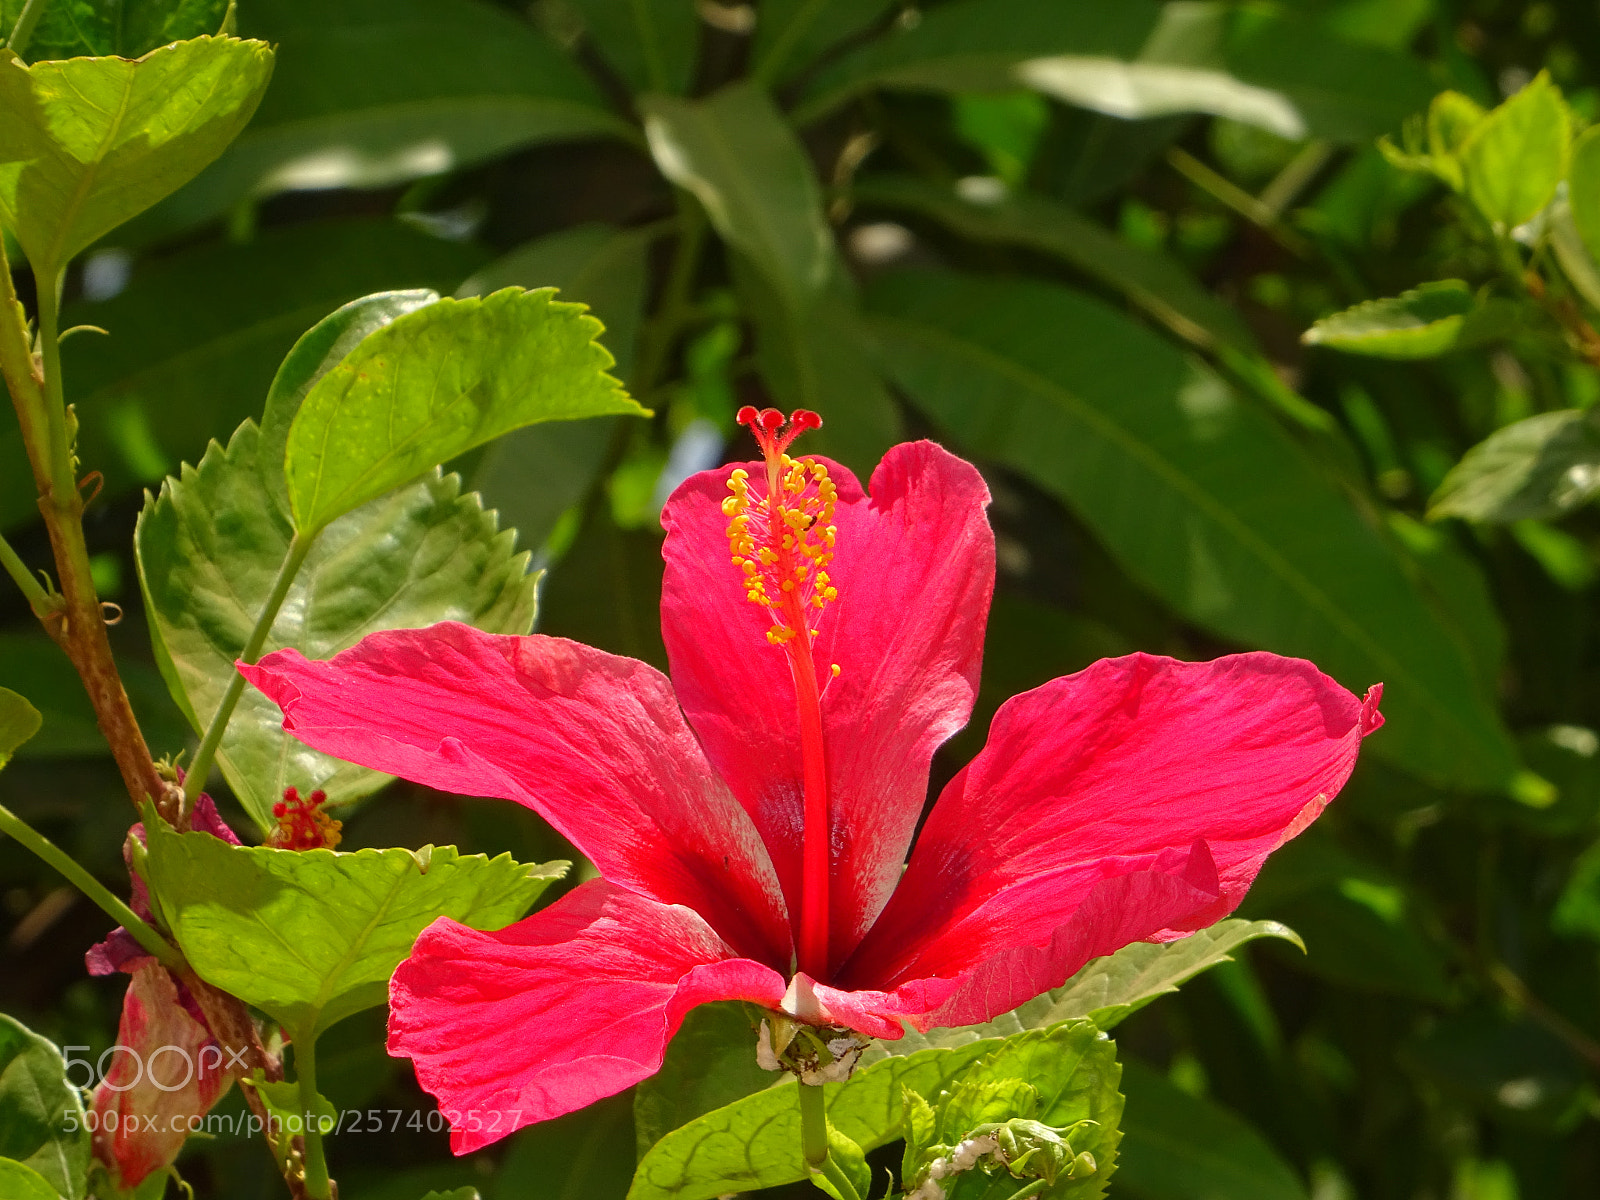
x: 19, y: 721
x: 1178, y: 1147
x: 208, y: 549
x: 86, y: 143
x: 1110, y: 989
x: 1513, y: 158
x: 125, y: 28
x: 1427, y: 321
x: 371, y: 93
x: 311, y: 936
x: 711, y: 1061
x: 651, y: 43
x: 1151, y: 281
x: 18, y: 1182
x: 1201, y: 497
x: 41, y: 1113
x: 436, y: 383
x: 1539, y: 467
x: 196, y: 339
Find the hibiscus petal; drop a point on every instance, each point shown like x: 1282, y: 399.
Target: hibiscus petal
x: 559, y: 1010
x: 593, y: 742
x: 1119, y: 770
x: 914, y: 566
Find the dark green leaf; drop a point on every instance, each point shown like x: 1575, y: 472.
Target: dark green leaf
x: 651, y: 43
x: 18, y: 1182
x: 1425, y: 322
x: 711, y: 1061
x: 1178, y: 1147
x: 1151, y: 281
x: 1542, y: 466
x: 1515, y: 156
x: 41, y: 1113
x: 375, y: 92
x: 195, y: 342
x: 436, y: 383
x: 87, y: 143
x: 460, y: 1193
x: 1201, y: 497
x: 126, y: 28
x: 606, y: 590
x: 586, y: 1154
x: 792, y: 33
x: 1511, y: 1069
x: 1577, y: 913
x: 311, y: 936
x: 209, y: 548
x: 19, y: 721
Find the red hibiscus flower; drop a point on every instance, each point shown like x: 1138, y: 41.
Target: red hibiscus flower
x: 751, y: 817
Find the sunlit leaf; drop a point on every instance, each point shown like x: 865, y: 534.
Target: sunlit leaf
x: 437, y: 382
x: 18, y: 1182
x: 208, y: 549
x: 1541, y: 466
x: 41, y: 1113
x: 1425, y: 322
x: 1514, y: 157
x: 311, y: 936
x: 19, y: 721
x: 125, y: 28
x: 1201, y: 497
x: 86, y: 143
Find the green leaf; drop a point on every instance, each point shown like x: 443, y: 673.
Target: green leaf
x: 1151, y: 281
x: 321, y: 348
x: 742, y: 161
x: 711, y: 1061
x: 19, y: 721
x: 1110, y: 989
x: 18, y: 1182
x: 1513, y: 158
x: 1202, y: 498
x: 1583, y: 189
x: 196, y: 339
x: 436, y: 383
x: 584, y: 1154
x: 311, y: 936
x: 1427, y: 321
x: 755, y: 1142
x: 208, y: 549
x: 792, y: 33
x: 1178, y: 1147
x: 371, y: 93
x: 87, y: 143
x: 125, y: 28
x: 1539, y: 467
x: 651, y: 43
x: 41, y: 1113
x: 460, y: 1193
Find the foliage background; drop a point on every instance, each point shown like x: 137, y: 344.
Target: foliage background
x: 1104, y: 312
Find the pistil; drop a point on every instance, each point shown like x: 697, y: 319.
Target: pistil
x: 782, y: 543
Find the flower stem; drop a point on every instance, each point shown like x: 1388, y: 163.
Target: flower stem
x: 195, y: 781
x: 813, y: 1126
x: 305, y: 1069
x: 91, y: 887
x: 22, y: 31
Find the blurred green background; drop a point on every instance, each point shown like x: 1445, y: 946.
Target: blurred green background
x: 1077, y: 241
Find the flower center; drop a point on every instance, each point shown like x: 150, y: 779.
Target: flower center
x: 782, y: 542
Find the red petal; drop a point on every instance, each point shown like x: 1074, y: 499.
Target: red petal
x: 914, y: 566
x: 570, y: 1005
x: 592, y: 742
x: 1119, y: 770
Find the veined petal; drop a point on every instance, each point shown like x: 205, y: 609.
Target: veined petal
x: 559, y: 1010
x: 1119, y: 770
x: 914, y: 568
x: 593, y: 742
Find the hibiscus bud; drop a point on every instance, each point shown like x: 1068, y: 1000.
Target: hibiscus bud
x: 166, y: 1073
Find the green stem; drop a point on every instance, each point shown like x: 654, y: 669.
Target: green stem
x: 91, y: 887
x: 834, y: 1174
x: 1236, y: 198
x: 305, y: 1069
x: 195, y: 781
x: 22, y: 31
x: 38, y: 599
x: 813, y: 1126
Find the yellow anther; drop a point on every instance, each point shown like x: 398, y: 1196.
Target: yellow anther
x: 836, y: 670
